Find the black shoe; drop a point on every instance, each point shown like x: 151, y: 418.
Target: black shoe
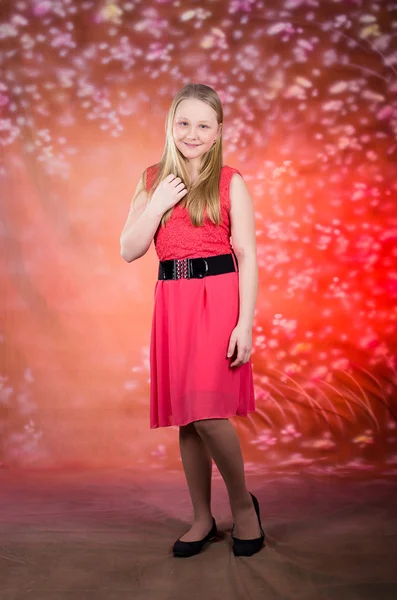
x: 249, y: 547
x: 191, y: 548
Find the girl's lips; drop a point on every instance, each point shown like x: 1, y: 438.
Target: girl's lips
x: 191, y: 145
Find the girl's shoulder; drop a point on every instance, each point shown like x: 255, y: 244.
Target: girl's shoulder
x: 226, y: 176
x: 228, y: 171
x: 224, y: 185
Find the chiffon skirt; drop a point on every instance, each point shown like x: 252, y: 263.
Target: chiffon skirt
x: 190, y: 374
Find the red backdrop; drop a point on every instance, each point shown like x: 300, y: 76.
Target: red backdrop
x: 309, y: 94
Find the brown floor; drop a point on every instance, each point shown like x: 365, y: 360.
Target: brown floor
x: 108, y: 535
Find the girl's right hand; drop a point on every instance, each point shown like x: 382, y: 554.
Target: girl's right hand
x: 168, y: 193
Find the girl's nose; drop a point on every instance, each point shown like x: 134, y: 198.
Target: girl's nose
x: 192, y: 133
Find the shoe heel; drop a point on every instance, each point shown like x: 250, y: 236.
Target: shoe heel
x: 256, y: 506
x: 249, y: 547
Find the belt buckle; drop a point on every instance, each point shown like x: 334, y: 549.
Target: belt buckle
x: 182, y: 268
x: 185, y: 268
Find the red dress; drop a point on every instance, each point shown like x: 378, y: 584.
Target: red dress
x: 190, y: 376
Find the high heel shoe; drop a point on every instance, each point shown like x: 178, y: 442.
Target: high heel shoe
x: 185, y: 549
x: 249, y: 547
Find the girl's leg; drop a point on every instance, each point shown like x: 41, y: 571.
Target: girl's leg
x: 224, y: 445
x: 197, y: 464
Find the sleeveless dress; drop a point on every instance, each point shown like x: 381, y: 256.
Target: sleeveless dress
x: 190, y: 376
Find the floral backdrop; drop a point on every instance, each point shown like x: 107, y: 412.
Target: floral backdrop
x: 309, y: 90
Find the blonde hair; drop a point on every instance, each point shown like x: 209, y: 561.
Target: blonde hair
x: 204, y: 192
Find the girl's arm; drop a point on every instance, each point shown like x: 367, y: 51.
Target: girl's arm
x: 141, y: 225
x: 242, y: 223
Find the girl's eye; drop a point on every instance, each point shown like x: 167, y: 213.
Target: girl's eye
x: 184, y: 123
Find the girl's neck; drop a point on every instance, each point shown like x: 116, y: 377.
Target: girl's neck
x: 193, y: 168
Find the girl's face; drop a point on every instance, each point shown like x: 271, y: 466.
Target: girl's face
x: 195, y: 127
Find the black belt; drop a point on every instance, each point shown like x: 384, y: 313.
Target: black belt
x: 188, y: 268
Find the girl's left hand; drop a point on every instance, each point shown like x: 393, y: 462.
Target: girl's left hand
x: 241, y: 337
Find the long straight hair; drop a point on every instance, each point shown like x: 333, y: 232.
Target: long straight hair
x: 203, y: 193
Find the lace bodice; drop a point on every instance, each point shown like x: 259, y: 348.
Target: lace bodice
x: 180, y: 239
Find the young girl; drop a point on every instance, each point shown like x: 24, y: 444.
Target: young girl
x: 205, y: 296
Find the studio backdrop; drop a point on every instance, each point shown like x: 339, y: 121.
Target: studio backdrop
x: 309, y: 91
